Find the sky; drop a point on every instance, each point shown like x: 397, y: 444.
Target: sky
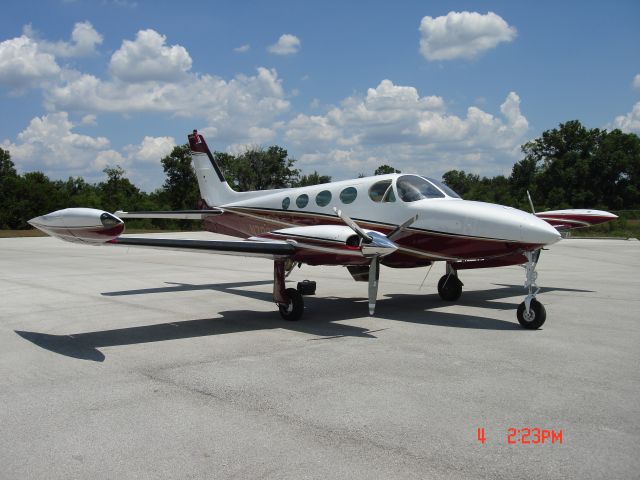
x: 424, y: 86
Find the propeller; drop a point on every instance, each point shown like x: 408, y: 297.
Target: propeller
x: 374, y: 246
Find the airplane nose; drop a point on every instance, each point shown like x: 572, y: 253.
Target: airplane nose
x: 538, y: 232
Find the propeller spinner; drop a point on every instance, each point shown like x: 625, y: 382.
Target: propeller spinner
x: 374, y: 245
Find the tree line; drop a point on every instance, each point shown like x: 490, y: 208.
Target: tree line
x: 567, y: 167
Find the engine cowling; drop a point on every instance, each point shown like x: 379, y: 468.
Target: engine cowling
x: 80, y: 225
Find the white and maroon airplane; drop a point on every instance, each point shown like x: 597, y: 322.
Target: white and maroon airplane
x: 397, y: 220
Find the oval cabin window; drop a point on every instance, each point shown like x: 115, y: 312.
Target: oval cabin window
x: 348, y: 195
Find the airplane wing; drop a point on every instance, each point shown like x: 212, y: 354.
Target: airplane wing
x: 564, y: 220
x: 315, y: 245
x: 171, y: 215
x: 245, y: 248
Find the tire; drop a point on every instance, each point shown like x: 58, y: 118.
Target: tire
x: 294, y: 309
x: 536, y: 318
x: 449, y: 288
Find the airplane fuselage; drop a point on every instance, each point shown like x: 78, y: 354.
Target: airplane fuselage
x: 447, y: 228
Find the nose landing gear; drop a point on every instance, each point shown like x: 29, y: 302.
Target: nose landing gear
x: 531, y: 313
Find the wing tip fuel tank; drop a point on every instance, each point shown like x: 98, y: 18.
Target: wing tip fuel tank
x: 80, y: 225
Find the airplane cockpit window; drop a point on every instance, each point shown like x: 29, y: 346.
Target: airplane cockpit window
x: 108, y: 220
x: 302, y: 200
x: 412, y: 188
x: 348, y: 195
x: 444, y: 187
x: 382, y: 191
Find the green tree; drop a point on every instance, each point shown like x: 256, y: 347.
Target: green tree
x: 8, y: 180
x: 583, y: 168
x: 118, y: 192
x: 259, y: 169
x: 180, y: 189
x: 384, y: 169
x: 312, y: 179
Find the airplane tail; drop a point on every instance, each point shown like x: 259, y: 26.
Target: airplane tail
x: 214, y: 189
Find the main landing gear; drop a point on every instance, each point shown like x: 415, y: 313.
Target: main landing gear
x: 531, y: 313
x: 290, y: 301
x: 450, y: 286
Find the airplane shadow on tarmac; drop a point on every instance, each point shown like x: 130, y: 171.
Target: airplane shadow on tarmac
x: 413, y: 308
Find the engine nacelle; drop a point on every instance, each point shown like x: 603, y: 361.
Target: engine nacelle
x: 83, y: 225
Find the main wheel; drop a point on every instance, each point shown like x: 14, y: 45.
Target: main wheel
x: 536, y: 316
x: 449, y: 288
x: 294, y: 309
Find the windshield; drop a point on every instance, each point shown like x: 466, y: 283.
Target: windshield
x: 448, y: 190
x: 412, y: 188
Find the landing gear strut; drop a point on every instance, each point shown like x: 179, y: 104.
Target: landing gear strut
x: 531, y: 313
x: 289, y: 300
x: 450, y: 286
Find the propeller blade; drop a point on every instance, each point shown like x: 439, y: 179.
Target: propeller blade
x: 398, y: 230
x: 373, y: 283
x: 354, y: 226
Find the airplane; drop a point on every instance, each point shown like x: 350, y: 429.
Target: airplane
x: 397, y: 220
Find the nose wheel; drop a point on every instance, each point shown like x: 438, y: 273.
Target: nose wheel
x: 531, y: 313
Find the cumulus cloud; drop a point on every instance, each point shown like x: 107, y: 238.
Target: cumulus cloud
x: 630, y: 122
x: 462, y: 35
x: 22, y: 63
x: 231, y: 107
x: 287, y: 44
x: 147, y: 58
x: 50, y: 144
x: 242, y: 48
x: 84, y: 40
x: 636, y: 81
x: 49, y: 140
x: 393, y: 124
x: 151, y: 149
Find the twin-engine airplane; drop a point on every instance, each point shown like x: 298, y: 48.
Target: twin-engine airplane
x: 397, y: 220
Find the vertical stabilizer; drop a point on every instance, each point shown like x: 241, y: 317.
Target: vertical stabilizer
x: 213, y: 187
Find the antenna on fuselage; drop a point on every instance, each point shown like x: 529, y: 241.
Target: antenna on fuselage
x: 533, y: 210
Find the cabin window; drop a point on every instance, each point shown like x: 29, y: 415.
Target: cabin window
x: 382, y: 191
x: 302, y: 200
x: 412, y: 188
x: 348, y: 195
x: 323, y: 198
x: 285, y: 203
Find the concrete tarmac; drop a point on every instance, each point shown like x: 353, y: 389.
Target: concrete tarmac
x: 118, y: 363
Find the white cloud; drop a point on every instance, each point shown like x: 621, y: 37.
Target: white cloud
x: 630, y: 122
x: 49, y: 140
x: 393, y: 124
x: 242, y: 48
x: 636, y: 81
x: 151, y: 149
x: 462, y: 35
x: 50, y: 144
x: 287, y: 44
x: 84, y: 39
x: 89, y: 120
x: 231, y: 107
x: 147, y: 58
x: 23, y: 64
